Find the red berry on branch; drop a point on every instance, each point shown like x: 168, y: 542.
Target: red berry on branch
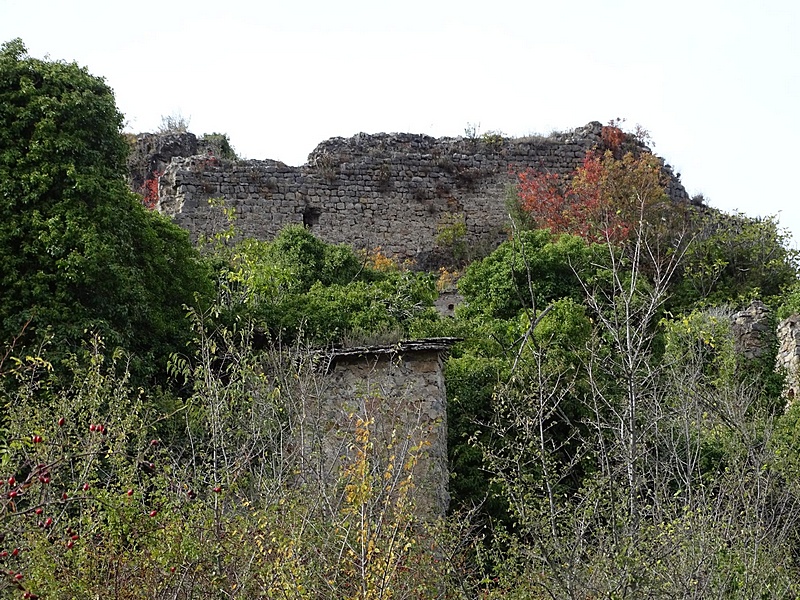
x: 48, y: 522
x: 153, y: 513
x: 61, y: 422
x: 39, y: 510
x: 86, y: 487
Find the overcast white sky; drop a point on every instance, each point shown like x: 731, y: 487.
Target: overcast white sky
x: 716, y: 82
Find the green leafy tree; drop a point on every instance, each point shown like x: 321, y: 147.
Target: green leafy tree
x: 299, y: 285
x: 530, y: 270
x: 734, y: 259
x: 526, y: 293
x: 80, y: 251
x: 682, y: 490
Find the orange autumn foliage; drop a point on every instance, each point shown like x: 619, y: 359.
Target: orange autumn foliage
x: 605, y: 199
x: 613, y: 137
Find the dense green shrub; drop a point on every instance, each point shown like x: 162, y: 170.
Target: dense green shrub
x: 733, y: 259
x: 529, y: 271
x: 299, y: 285
x: 81, y: 252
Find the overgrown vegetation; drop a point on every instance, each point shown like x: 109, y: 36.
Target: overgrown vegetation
x: 221, y: 145
x: 81, y: 252
x: 164, y: 420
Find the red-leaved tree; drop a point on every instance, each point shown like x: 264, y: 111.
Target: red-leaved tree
x: 603, y: 200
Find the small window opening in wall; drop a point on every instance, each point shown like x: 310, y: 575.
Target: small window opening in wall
x: 311, y: 216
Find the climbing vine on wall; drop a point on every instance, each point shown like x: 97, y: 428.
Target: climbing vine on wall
x: 149, y: 189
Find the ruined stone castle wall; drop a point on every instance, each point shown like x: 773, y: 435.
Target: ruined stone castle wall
x: 393, y: 191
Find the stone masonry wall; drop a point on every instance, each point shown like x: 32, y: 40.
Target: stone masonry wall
x: 393, y: 191
x: 788, y: 358
x: 402, y: 391
x: 752, y: 330
x: 753, y: 335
